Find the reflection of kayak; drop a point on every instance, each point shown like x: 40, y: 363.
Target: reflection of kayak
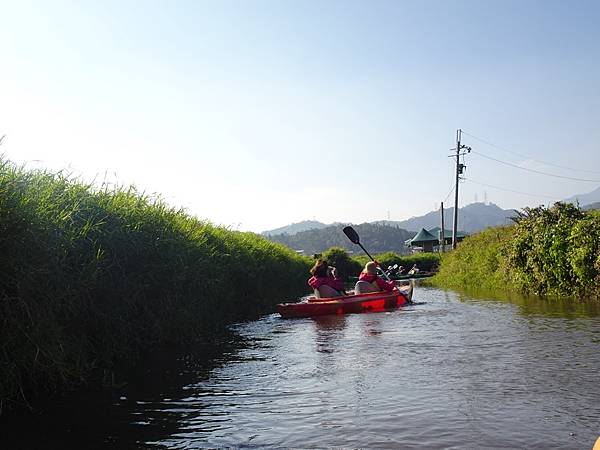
x: 371, y: 302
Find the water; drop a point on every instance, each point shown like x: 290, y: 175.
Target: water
x: 456, y: 372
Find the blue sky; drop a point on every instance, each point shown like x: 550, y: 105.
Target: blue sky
x: 255, y: 114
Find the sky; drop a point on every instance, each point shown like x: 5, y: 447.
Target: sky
x: 256, y: 114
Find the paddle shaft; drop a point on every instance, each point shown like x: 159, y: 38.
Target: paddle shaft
x: 353, y: 236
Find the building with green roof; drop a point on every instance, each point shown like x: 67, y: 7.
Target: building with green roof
x: 426, y: 240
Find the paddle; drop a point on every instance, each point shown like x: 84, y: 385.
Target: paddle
x: 355, y: 239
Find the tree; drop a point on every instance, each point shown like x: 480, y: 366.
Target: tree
x: 339, y: 258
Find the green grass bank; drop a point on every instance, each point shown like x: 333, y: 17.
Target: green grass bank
x: 90, y: 277
x: 548, y: 251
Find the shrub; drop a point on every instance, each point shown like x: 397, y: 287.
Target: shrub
x: 424, y: 261
x: 584, y: 252
x: 339, y: 258
x: 539, y: 250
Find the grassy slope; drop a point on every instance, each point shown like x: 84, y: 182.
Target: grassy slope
x: 89, y: 278
x: 479, y: 262
x: 550, y: 251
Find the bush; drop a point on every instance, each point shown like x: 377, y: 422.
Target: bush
x: 339, y: 258
x: 427, y: 262
x: 584, y: 253
x: 539, y: 250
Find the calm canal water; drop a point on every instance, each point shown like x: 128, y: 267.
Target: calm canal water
x: 456, y: 372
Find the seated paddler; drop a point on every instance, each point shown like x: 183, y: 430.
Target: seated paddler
x: 325, y: 280
x: 369, y: 275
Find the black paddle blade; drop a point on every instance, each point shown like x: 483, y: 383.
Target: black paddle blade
x: 352, y: 235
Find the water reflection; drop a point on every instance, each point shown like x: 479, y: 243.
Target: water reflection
x: 568, y: 307
x: 149, y: 407
x: 328, y: 330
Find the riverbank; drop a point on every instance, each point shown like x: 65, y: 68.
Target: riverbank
x: 91, y: 278
x: 548, y: 251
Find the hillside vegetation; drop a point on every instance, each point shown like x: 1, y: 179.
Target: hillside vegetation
x: 549, y: 251
x: 92, y: 277
x: 375, y: 237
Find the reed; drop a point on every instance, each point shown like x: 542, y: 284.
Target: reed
x: 90, y: 277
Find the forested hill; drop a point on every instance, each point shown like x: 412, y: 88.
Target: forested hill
x: 296, y: 228
x: 376, y: 238
x: 472, y: 218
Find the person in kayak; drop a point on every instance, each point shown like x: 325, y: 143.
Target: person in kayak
x: 325, y: 280
x: 413, y: 270
x: 369, y: 274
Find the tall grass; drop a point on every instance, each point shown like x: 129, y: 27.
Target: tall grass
x: 479, y: 261
x: 90, y: 277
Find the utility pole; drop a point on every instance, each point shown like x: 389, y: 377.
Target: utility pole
x: 459, y: 170
x: 442, y: 230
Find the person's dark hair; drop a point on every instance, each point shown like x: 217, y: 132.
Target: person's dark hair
x: 319, y: 269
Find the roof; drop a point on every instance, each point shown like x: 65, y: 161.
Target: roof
x: 447, y: 233
x: 423, y: 236
x: 433, y: 236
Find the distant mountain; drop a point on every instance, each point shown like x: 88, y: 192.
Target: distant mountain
x: 595, y: 205
x: 296, y: 228
x: 471, y: 218
x: 376, y: 238
x: 585, y: 199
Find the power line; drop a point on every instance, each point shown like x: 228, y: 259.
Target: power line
x: 510, y: 190
x: 451, y: 190
x: 529, y: 157
x: 533, y: 170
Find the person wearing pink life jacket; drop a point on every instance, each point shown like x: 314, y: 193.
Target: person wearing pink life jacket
x: 323, y: 275
x: 369, y: 274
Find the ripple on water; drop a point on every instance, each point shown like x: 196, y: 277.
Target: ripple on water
x: 450, y: 373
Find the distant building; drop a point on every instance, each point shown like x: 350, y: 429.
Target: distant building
x: 426, y: 241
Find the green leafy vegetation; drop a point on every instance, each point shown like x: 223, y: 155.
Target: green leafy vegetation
x: 377, y: 238
x: 90, y: 277
x: 352, y: 266
x: 549, y: 251
x: 479, y: 261
x: 424, y: 261
x: 340, y: 258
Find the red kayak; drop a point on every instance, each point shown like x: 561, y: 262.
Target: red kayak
x: 359, y: 303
